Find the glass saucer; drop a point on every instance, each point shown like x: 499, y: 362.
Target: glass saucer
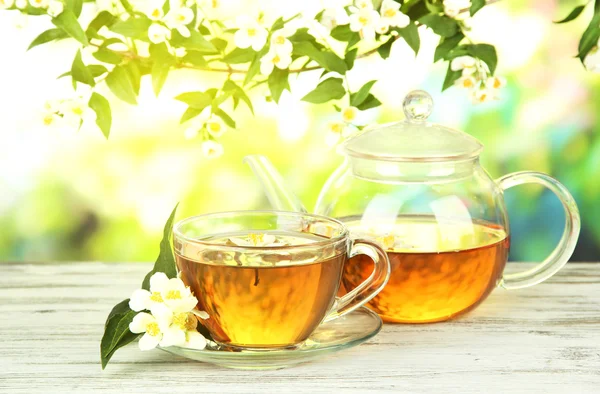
x: 333, y: 336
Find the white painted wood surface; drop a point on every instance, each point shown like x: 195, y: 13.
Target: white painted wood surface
x: 543, y: 339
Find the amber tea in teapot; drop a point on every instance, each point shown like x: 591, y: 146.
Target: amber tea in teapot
x: 435, y: 275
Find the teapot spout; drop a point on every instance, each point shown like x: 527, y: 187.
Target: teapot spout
x: 273, y: 185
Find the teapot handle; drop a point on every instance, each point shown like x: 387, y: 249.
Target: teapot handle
x: 560, y: 255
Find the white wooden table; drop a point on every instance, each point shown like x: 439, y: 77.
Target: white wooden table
x: 539, y: 340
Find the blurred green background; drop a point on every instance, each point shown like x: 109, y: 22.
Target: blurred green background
x: 68, y: 195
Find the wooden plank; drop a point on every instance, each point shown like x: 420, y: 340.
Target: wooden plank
x: 542, y: 339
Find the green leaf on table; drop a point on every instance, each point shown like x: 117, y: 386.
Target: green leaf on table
x: 195, y: 42
x: 189, y: 113
x: 104, y: 18
x: 350, y: 58
x: 67, y: 21
x: 238, y: 92
x: 476, y: 5
x: 165, y: 261
x: 116, y: 331
x: 385, y: 49
x: 485, y: 52
x: 590, y: 37
x: 133, y: 28
x: 162, y: 63
x: 80, y: 72
x: 410, y: 33
x: 278, y: 82
x: 446, y: 45
x: 47, y: 36
x: 328, y: 60
x: 120, y: 84
x: 441, y: 25
x: 197, y: 100
x: 451, y: 77
x: 225, y: 117
x: 329, y: 89
x: 239, y: 56
x: 107, y: 56
x: 75, y: 6
x: 101, y: 107
x: 369, y: 102
x: 359, y: 97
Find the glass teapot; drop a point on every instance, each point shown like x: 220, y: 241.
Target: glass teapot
x: 419, y: 190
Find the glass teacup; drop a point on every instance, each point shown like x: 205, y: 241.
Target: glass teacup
x: 267, y: 279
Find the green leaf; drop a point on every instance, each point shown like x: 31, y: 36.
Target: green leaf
x: 195, y: 58
x: 441, y: 25
x: 370, y: 102
x: 189, y: 113
x: 485, y: 52
x: 238, y: 92
x: 133, y: 28
x: 197, y: 100
x: 359, y: 97
x: 135, y: 75
x: 451, y: 77
x: 107, y: 56
x: 104, y: 18
x: 162, y: 63
x: 120, y: 84
x: 67, y: 21
x: 101, y: 107
x: 278, y: 24
x: 226, y: 118
x: 195, y: 42
x: 239, y: 55
x: 75, y: 6
x: 254, y: 67
x: 116, y: 331
x: 278, y: 82
x: 80, y: 72
x: 327, y: 60
x: 219, y: 43
x: 343, y: 33
x: 385, y: 49
x: 446, y: 45
x: 165, y: 261
x: 95, y: 69
x: 410, y: 33
x: 350, y: 58
x: 476, y: 5
x: 573, y: 14
x: 47, y: 36
x: 590, y: 37
x: 329, y: 89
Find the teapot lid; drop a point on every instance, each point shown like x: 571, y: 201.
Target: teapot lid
x: 414, y: 139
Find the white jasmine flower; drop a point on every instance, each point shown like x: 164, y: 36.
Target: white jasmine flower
x: 273, y: 59
x: 21, y: 4
x: 215, y: 126
x: 467, y: 82
x: 146, y: 323
x: 335, y: 132
x: 194, y: 340
x: 178, y: 18
x: 382, y: 27
x: 467, y: 64
x: 55, y: 8
x: 391, y: 14
x: 453, y: 8
x: 39, y: 3
x: 250, y: 33
x: 392, y: 242
x: 334, y: 14
x: 146, y: 300
x: 257, y: 239
x: 280, y: 42
x: 75, y: 111
x: 154, y: 10
x: 349, y: 114
x: 483, y: 95
x: 5, y: 4
x: 495, y: 82
x: 364, y: 4
x: 364, y: 20
x: 592, y: 60
x: 51, y: 119
x: 179, y: 52
x: 177, y: 296
x: 212, y: 149
x: 158, y: 33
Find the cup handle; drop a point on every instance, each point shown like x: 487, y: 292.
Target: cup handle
x: 368, y: 289
x: 560, y: 255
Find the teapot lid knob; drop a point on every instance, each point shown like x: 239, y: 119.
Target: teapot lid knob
x: 417, y: 106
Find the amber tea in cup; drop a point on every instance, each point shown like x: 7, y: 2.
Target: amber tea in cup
x: 268, y: 279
